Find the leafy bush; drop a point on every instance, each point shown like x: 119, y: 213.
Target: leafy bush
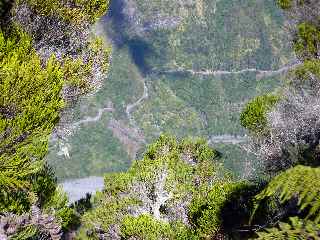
x: 285, y: 4
x: 31, y: 205
x: 77, y: 11
x: 145, y: 227
x: 253, y: 117
x: 78, y: 72
x: 43, y: 184
x: 205, y: 210
x: 58, y: 206
x: 308, y: 67
x: 29, y: 108
x: 307, y: 40
x: 171, y: 170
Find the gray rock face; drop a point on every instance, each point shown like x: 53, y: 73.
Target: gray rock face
x: 77, y: 188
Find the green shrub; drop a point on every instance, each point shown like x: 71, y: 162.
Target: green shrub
x: 78, y: 72
x: 148, y: 228
x: 285, y: 4
x: 58, y: 207
x: 253, y: 117
x: 145, y: 227
x: 300, y: 78
x: 43, y: 184
x: 187, y: 165
x: 307, y: 40
x: 77, y: 12
x: 308, y: 67
x: 30, y: 102
x: 107, y: 210
x: 29, y: 108
x: 205, y: 210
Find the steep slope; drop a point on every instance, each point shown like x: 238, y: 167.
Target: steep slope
x: 182, y: 67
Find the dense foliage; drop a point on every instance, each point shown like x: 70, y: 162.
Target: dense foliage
x: 285, y: 4
x: 30, y: 103
x: 160, y: 43
x: 283, y: 204
x: 254, y: 117
x: 291, y: 147
x: 300, y: 183
x: 77, y: 11
x: 179, y: 189
x: 296, y: 229
x: 32, y: 98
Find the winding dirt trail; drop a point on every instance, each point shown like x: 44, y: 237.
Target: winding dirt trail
x: 218, y: 73
x: 130, y: 107
x: 226, y: 138
x: 92, y: 119
x: 214, y: 139
x: 64, y: 146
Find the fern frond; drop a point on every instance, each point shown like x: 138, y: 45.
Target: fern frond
x: 296, y: 229
x: 301, y: 182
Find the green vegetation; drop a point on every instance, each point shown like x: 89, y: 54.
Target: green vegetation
x: 31, y: 101
x: 78, y: 72
x: 102, y: 152
x: 285, y: 4
x: 308, y: 67
x: 146, y: 227
x: 58, y: 206
x: 228, y: 33
x: 254, y: 116
x: 179, y: 103
x: 297, y: 229
x: 300, y: 77
x: 175, y: 170
x: 206, y: 208
x: 300, y: 183
x: 167, y: 112
x: 124, y: 83
x: 294, y: 190
x: 76, y: 12
x: 308, y: 40
x: 143, y: 202
x: 179, y: 189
